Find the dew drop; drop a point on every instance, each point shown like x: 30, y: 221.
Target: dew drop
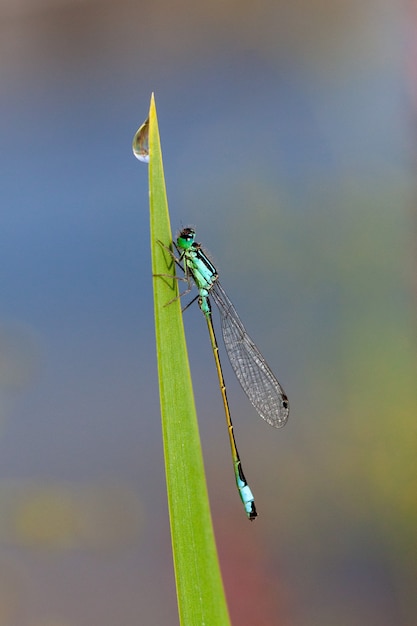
x: 140, y: 143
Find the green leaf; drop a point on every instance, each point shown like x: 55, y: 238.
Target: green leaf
x: 199, y: 584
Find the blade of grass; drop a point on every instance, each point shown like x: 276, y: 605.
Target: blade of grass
x: 199, y: 584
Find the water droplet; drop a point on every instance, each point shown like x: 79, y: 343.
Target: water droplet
x: 140, y: 144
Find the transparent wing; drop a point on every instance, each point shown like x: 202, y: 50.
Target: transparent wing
x: 252, y: 371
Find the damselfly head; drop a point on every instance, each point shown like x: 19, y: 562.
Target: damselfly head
x: 186, y: 238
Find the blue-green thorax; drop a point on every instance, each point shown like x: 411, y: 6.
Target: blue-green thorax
x: 197, y: 264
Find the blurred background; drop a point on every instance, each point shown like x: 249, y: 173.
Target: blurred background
x: 289, y: 138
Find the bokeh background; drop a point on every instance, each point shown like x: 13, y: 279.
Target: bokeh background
x: 289, y: 139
